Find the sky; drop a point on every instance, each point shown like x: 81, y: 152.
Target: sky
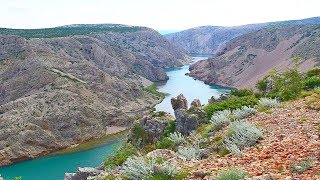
x: 157, y: 14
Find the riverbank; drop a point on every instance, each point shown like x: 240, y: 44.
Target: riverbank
x: 54, y: 165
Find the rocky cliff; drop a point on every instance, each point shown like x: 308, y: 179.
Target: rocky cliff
x: 249, y: 57
x: 210, y: 39
x: 67, y: 85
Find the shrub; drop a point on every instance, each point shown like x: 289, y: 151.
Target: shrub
x: 269, y: 103
x: 138, y: 133
x: 242, y: 92
x: 190, y: 153
x: 177, y: 138
x: 141, y: 168
x: 221, y: 118
x: 165, y: 143
x: 312, y: 82
x: 303, y: 166
x: 231, y: 174
x: 262, y: 85
x: 137, y: 168
x: 244, y: 112
x: 120, y: 155
x: 169, y: 129
x: 288, y: 85
x: 231, y: 103
x: 241, y: 134
x: 313, y: 72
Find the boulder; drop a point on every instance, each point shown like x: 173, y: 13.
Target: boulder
x: 180, y: 102
x: 83, y: 174
x: 152, y: 128
x: 196, y: 104
x: 185, y: 122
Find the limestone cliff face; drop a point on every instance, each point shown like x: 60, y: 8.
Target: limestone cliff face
x: 59, y: 91
x: 250, y: 57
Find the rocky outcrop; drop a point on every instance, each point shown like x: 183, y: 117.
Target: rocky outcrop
x: 60, y: 91
x: 180, y: 102
x: 187, y: 120
x: 149, y: 129
x: 195, y: 104
x: 250, y: 57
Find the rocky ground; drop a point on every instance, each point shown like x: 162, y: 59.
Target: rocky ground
x: 291, y: 135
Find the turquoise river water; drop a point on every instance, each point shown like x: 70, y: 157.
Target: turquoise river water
x: 53, y: 167
x: 192, y: 89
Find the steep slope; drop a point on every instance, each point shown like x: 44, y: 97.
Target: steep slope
x: 64, y: 89
x: 209, y: 39
x: 249, y: 57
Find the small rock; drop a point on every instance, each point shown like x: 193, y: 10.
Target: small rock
x: 262, y: 177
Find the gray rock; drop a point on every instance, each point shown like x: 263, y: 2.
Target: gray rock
x: 153, y: 128
x: 220, y: 98
x: 83, y: 174
x: 196, y: 104
x: 185, y: 122
x: 180, y: 102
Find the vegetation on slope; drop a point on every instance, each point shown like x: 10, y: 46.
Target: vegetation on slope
x: 232, y: 128
x: 66, y: 31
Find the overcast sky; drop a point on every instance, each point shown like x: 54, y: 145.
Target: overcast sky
x: 157, y: 14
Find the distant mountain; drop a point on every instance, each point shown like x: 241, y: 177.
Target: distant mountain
x: 209, y: 39
x: 66, y: 85
x: 248, y: 58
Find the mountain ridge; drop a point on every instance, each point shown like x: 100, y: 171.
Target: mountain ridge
x: 210, y: 39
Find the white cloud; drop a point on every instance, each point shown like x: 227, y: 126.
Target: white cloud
x: 158, y: 14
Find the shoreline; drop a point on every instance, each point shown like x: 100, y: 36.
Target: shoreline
x: 114, y: 135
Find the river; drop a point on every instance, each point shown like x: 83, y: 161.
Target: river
x: 192, y: 89
x: 53, y: 167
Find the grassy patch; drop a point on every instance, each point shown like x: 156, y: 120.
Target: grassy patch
x: 154, y: 90
x: 120, y: 155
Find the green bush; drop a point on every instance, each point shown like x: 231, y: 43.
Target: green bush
x: 242, y: 92
x: 165, y: 143
x: 231, y: 174
x: 313, y: 72
x: 262, y: 85
x: 120, y: 155
x: 169, y: 129
x: 312, y: 82
x: 287, y: 86
x: 231, y: 103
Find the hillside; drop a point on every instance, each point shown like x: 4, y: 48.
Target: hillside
x: 248, y: 58
x: 209, y: 39
x: 67, y: 85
